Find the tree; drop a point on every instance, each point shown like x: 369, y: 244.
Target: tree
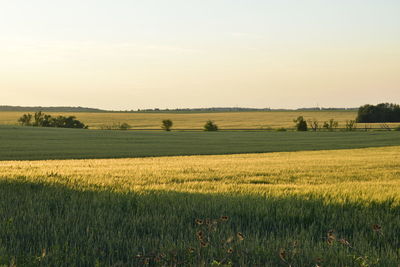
x: 314, y: 124
x: 38, y: 118
x: 301, y: 124
x: 210, y: 126
x: 166, y: 125
x: 351, y: 125
x: 25, y: 120
x: 72, y: 122
x: 331, y: 124
x: 44, y: 120
x: 383, y: 112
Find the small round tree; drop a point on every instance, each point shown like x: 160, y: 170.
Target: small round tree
x: 301, y: 124
x: 124, y: 126
x: 167, y: 125
x: 210, y: 126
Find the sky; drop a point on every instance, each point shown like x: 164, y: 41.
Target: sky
x: 135, y: 54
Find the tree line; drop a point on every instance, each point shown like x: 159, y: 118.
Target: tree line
x: 380, y: 113
x: 40, y: 119
x: 50, y: 109
x: 383, y: 112
x: 302, y: 125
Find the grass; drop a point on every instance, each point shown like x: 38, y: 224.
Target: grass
x: 105, y: 212
x: 19, y: 143
x: 225, y: 120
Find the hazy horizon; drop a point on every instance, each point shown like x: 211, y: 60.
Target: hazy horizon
x: 204, y: 107
x: 182, y: 54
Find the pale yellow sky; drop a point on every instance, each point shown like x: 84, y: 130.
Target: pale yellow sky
x: 214, y: 53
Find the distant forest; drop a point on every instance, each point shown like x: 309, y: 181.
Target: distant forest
x: 157, y: 110
x: 384, y: 112
x: 50, y: 109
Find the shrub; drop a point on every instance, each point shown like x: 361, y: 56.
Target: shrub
x: 386, y: 127
x: 116, y: 126
x: 210, y: 126
x: 166, y: 125
x: 106, y: 127
x: 397, y: 128
x: 281, y: 129
x: 124, y: 126
x: 301, y: 124
x: 267, y: 128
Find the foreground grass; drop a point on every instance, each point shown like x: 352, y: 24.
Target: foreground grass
x: 106, y: 212
x: 30, y: 143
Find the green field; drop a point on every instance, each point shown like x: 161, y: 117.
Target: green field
x: 18, y: 143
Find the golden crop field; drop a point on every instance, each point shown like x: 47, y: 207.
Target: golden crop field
x: 226, y: 120
x: 366, y: 175
x: 166, y: 211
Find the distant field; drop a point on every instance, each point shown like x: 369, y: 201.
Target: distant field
x: 227, y: 120
x: 19, y: 143
x: 125, y: 212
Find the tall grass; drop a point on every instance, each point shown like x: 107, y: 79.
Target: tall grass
x: 128, y: 212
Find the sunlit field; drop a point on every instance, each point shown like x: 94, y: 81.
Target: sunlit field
x: 200, y: 133
x: 227, y: 120
x: 280, y: 208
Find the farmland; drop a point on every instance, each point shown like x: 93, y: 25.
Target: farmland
x: 73, y: 197
x: 129, y: 211
x: 35, y: 143
x: 226, y: 120
x: 200, y: 134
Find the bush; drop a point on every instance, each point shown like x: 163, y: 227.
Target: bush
x: 281, y: 129
x: 106, y: 127
x: 124, y: 126
x: 166, y: 125
x: 210, y: 126
x: 116, y: 126
x: 301, y: 124
x: 397, y: 128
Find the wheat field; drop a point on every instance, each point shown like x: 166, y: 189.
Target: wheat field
x: 225, y: 120
x: 143, y: 211
x: 364, y: 175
